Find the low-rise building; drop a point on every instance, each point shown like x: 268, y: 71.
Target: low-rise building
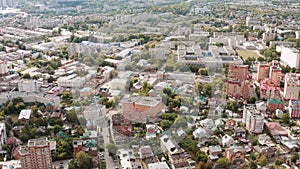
x: 89, y: 146
x: 274, y: 104
x: 24, y: 115
x: 141, y: 109
x: 235, y: 154
x: 128, y: 160
x: 175, y: 153
x: 276, y: 129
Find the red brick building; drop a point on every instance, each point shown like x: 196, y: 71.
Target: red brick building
x: 36, y: 154
x: 274, y: 104
x: 237, y: 84
x: 235, y: 154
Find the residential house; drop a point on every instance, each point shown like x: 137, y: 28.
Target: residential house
x: 175, y: 153
x: 158, y: 165
x: 235, y: 154
x: 89, y: 146
x: 231, y: 123
x: 151, y: 131
x: 121, y: 125
x: 268, y: 152
x: 215, y: 152
x: 147, y: 155
x: 227, y: 140
x: 290, y: 146
x: 24, y: 115
x: 202, y: 135
x: 128, y: 159
x: 240, y: 132
x: 87, y: 91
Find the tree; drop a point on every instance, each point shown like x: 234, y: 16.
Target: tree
x: 26, y: 76
x: 72, y: 118
x: 234, y: 106
x: 262, y: 160
x: 251, y: 100
x: 223, y: 163
x: 112, y: 149
x: 84, y: 161
x: 203, y: 71
x: 285, y: 119
x: 252, y: 165
x: 51, y: 79
x: 72, y: 164
x: 295, y: 157
x: 201, y: 156
x: 165, y: 124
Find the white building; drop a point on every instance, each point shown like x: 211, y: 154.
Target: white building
x: 29, y: 86
x: 291, y: 86
x: 128, y: 160
x: 3, y: 135
x: 118, y: 84
x: 3, y: 68
x: 24, y: 115
x: 158, y: 165
x: 290, y: 56
x: 253, y: 119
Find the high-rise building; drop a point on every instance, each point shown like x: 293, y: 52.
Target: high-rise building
x: 291, y: 86
x: 237, y: 84
x: 36, y: 154
x: 3, y: 68
x: 3, y: 135
x: 290, y: 56
x: 270, y: 71
x: 253, y: 119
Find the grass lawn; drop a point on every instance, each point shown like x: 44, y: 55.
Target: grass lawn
x: 14, y: 117
x: 247, y: 53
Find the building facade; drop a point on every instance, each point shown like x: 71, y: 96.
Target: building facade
x: 3, y: 136
x: 237, y: 84
x: 36, y: 154
x: 235, y: 154
x: 291, y: 86
x: 290, y: 56
x: 253, y: 119
x: 294, y: 108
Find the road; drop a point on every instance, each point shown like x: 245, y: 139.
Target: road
x: 105, y: 131
x: 56, y: 164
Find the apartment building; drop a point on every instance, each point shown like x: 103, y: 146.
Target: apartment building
x: 290, y: 56
x: 36, y: 154
x: 237, y: 84
x: 3, y: 68
x: 270, y: 71
x: 294, y: 108
x: 3, y: 136
x: 253, y: 119
x: 291, y: 86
